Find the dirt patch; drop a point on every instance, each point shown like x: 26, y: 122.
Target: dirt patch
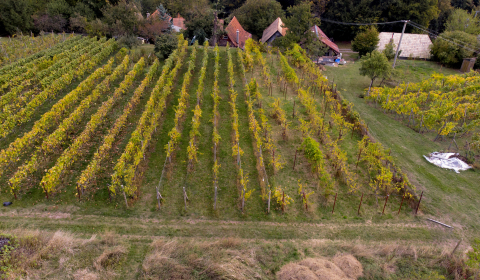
x: 322, y: 269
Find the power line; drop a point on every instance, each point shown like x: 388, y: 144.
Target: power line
x: 413, y: 24
x: 359, y: 24
x: 436, y: 34
x: 445, y: 39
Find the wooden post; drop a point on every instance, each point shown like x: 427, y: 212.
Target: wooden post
x: 418, y: 205
x: 215, y: 199
x: 295, y: 160
x: 306, y: 202
x: 158, y: 198
x: 386, y: 199
x: 293, y: 116
x: 185, y: 198
x: 335, y: 202
x: 456, y: 247
x: 361, y: 199
x: 269, y: 196
x: 125, y: 196
x: 403, y: 197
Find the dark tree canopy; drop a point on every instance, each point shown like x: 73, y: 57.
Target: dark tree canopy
x: 256, y: 15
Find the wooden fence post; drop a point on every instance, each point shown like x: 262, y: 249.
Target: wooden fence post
x: 335, y: 202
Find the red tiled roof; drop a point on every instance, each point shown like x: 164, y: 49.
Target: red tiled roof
x: 319, y: 33
x: 243, y: 35
x: 179, y: 21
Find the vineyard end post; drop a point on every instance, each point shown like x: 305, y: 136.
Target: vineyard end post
x: 335, y: 202
x: 295, y: 160
x: 403, y: 197
x: 418, y: 205
x: 361, y: 199
x: 386, y: 200
x: 269, y: 196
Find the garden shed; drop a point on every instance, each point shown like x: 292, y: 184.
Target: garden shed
x: 274, y: 31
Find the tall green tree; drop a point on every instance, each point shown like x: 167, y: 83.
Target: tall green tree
x: 299, y: 20
x: 15, y: 15
x: 366, y: 41
x: 375, y: 65
x: 462, y: 20
x: 256, y: 15
x: 121, y: 18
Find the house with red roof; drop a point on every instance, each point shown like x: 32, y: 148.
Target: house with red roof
x: 333, y: 48
x: 178, y: 23
x: 231, y: 36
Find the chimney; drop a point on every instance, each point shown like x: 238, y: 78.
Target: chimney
x: 238, y: 39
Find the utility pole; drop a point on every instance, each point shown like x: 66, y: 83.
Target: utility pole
x: 400, y: 42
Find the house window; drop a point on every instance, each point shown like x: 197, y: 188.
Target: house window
x: 225, y: 38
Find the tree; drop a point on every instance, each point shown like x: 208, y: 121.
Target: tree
x: 165, y: 45
x: 453, y: 54
x: 375, y: 65
x: 299, y: 21
x: 256, y: 15
x: 204, y: 22
x: 316, y: 49
x: 121, y: 18
x: 366, y: 41
x: 15, y: 15
x: 390, y: 50
x: 462, y: 20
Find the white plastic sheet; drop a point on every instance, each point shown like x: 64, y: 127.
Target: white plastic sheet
x: 447, y: 161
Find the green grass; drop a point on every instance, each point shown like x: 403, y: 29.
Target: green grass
x: 448, y: 197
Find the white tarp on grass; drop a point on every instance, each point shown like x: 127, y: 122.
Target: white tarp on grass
x: 448, y: 161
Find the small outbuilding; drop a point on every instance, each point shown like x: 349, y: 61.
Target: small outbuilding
x: 413, y: 45
x: 231, y: 36
x: 333, y: 49
x: 274, y: 31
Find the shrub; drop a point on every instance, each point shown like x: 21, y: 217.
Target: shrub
x: 366, y: 41
x: 390, y: 50
x: 452, y: 54
x: 165, y: 45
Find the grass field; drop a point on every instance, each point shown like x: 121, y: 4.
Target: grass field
x: 105, y: 239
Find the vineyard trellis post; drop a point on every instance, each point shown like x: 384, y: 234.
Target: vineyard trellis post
x: 159, y: 196
x: 418, y: 205
x: 335, y: 202
x: 401, y: 203
x: 386, y: 200
x: 361, y: 199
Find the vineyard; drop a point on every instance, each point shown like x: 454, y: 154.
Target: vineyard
x: 209, y: 131
x: 445, y: 106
